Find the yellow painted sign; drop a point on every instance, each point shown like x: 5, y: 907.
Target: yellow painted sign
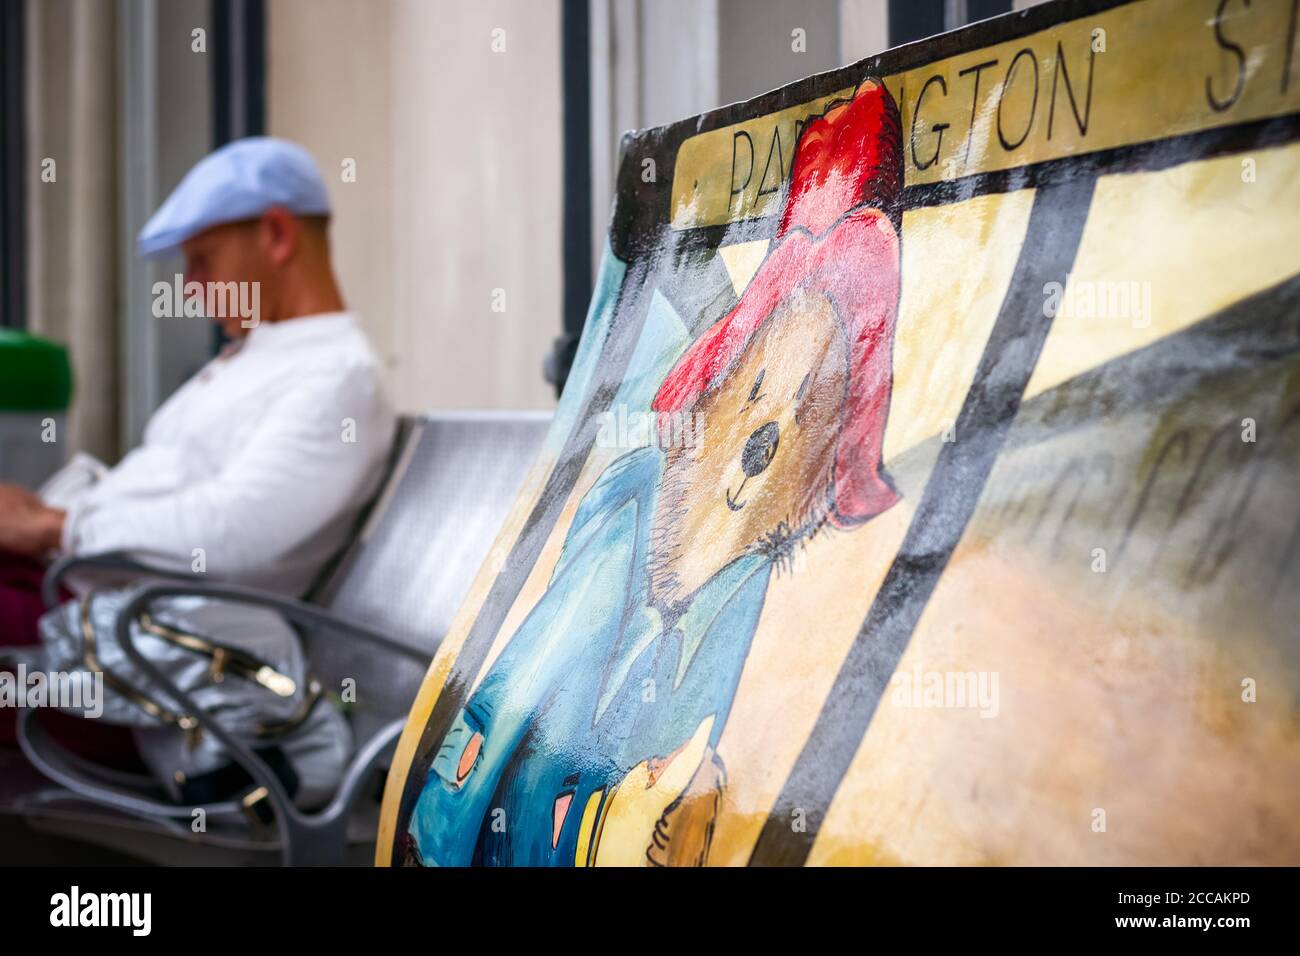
x: 1115, y: 78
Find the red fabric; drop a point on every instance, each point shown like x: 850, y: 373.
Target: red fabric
x: 21, y: 608
x: 20, y: 599
x: 836, y: 237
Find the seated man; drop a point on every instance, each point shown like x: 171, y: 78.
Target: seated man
x: 255, y: 469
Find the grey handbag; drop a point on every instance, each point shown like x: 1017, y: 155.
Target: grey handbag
x: 243, y: 665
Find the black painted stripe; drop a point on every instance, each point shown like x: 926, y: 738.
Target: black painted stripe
x: 1051, y: 240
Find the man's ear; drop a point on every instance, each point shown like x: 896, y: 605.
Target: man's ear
x: 281, y: 233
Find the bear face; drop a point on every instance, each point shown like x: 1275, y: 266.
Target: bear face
x: 759, y: 478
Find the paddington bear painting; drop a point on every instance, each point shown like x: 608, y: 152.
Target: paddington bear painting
x: 592, y: 738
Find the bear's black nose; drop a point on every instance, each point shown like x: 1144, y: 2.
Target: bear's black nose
x: 760, y: 449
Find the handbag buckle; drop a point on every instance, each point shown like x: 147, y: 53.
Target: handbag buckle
x: 256, y: 806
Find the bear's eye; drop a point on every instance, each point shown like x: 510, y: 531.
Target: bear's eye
x: 758, y: 383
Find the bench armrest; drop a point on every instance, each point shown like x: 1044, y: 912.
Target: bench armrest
x: 299, y: 612
x: 107, y: 561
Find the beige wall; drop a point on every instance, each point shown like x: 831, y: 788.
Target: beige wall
x: 72, y: 221
x: 457, y: 191
x: 864, y: 28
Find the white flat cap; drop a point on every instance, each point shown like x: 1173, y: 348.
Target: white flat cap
x: 240, y: 181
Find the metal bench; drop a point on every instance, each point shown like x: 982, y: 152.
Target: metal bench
x: 376, y: 618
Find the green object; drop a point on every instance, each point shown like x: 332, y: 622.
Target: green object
x: 35, y: 375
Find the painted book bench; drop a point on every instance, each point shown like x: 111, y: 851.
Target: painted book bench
x: 925, y: 487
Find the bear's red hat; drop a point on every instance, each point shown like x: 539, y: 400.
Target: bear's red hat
x: 837, y: 236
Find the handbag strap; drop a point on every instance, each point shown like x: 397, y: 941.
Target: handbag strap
x: 93, y: 664
x: 224, y: 658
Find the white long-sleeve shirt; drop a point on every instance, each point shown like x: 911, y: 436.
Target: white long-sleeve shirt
x: 262, y: 460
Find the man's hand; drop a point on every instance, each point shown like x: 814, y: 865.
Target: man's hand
x: 16, y: 498
x: 27, y: 527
